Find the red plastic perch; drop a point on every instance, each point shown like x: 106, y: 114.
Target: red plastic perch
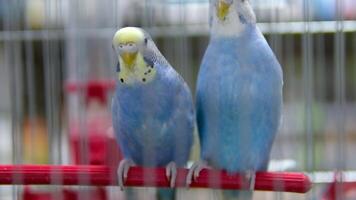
x: 138, y: 176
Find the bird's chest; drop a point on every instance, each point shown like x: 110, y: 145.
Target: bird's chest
x: 145, y: 107
x: 228, y: 73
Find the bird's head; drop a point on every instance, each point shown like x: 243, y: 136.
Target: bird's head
x: 128, y: 42
x: 225, y: 9
x: 138, y: 55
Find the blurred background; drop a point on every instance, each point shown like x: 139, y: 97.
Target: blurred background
x: 58, y: 67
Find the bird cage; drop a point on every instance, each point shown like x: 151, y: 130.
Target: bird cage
x: 58, y: 76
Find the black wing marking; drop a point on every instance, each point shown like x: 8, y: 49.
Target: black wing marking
x: 118, y: 66
x: 150, y: 60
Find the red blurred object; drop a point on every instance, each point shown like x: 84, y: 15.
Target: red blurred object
x: 94, y: 89
x: 138, y: 176
x: 340, y: 189
x: 90, y: 143
x: 102, y: 146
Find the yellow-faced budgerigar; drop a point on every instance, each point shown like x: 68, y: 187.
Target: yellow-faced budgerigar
x: 239, y: 93
x: 152, y: 108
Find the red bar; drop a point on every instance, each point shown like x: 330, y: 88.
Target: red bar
x: 138, y: 176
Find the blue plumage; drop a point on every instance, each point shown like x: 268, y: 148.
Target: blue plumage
x: 154, y: 122
x: 239, y: 97
x: 152, y: 109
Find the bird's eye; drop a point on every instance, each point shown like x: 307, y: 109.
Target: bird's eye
x: 146, y: 41
x: 121, y: 45
x: 130, y: 44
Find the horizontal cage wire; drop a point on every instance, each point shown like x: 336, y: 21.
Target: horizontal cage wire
x: 59, y: 78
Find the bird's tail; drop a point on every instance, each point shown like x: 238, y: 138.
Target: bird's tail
x: 165, y: 194
x: 236, y: 195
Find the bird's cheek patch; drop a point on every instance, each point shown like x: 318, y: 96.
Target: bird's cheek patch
x: 242, y: 19
x: 139, y: 74
x: 148, y: 74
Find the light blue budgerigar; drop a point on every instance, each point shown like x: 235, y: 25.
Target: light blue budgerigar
x: 152, y: 108
x: 239, y: 93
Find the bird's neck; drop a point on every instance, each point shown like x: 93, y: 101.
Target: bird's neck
x: 138, y: 72
x: 231, y: 26
x: 236, y: 22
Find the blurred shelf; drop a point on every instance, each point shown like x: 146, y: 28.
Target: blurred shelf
x: 180, y: 30
x: 266, y: 28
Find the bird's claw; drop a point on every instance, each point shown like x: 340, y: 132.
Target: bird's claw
x: 171, y: 173
x: 122, y: 171
x: 250, y: 176
x: 194, y: 171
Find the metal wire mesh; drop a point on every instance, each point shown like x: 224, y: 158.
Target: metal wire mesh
x: 46, y: 44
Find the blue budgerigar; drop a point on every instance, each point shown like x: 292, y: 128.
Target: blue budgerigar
x: 239, y: 93
x: 152, y: 109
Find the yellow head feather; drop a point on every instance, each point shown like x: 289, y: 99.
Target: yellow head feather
x: 127, y: 35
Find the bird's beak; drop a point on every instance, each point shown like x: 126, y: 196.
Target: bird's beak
x: 222, y: 9
x: 129, y: 58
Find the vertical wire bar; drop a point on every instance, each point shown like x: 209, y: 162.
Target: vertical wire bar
x: 17, y: 78
x: 31, y: 90
x: 48, y: 83
x: 81, y: 71
x: 80, y: 9
x: 73, y: 73
x: 320, y: 64
x: 322, y: 69
x: 148, y: 21
x: 116, y: 23
x: 15, y: 64
x: 183, y: 55
x: 63, y: 139
x: 14, y: 88
x: 57, y: 86
x: 50, y: 96
x: 5, y: 69
x: 55, y: 76
x: 352, y: 56
x: 340, y: 98
x: 307, y: 53
x: 276, y: 46
x: 288, y: 130
x: 321, y: 88
x: 183, y: 52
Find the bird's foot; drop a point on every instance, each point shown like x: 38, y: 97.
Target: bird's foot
x: 171, y: 173
x: 194, y: 171
x: 250, y: 178
x: 123, y: 170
